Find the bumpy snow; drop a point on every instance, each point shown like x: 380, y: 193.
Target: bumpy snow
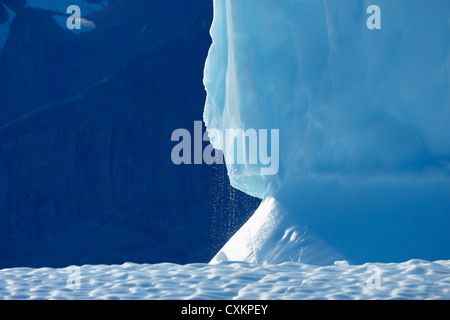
x: 415, y: 279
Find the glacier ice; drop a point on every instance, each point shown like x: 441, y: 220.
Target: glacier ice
x: 274, y: 235
x: 363, y: 121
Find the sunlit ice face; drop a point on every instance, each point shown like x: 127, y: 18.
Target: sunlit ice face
x: 347, y: 100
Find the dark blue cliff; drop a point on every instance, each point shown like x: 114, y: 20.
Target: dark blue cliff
x: 85, y: 170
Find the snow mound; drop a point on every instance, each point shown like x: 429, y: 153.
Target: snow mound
x: 415, y: 279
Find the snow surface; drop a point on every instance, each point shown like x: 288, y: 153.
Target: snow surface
x: 415, y: 279
x: 363, y: 123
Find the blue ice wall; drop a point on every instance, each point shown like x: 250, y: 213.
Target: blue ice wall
x: 362, y: 115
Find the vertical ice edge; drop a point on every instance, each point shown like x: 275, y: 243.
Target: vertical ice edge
x: 363, y: 119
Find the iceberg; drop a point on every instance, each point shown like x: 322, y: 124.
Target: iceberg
x: 362, y: 114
